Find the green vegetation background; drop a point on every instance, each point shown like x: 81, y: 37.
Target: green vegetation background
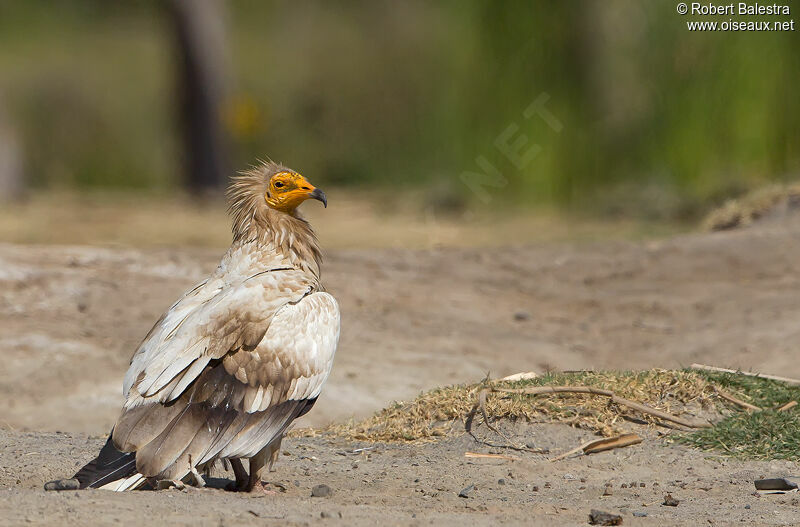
x: 657, y: 121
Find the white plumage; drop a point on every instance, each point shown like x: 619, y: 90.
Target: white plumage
x: 232, y: 363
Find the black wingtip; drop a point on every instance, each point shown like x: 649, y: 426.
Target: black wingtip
x: 109, y: 465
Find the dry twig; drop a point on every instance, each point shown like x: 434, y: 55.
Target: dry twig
x: 738, y: 402
x: 614, y: 398
x: 489, y: 456
x: 787, y: 380
x: 601, y: 445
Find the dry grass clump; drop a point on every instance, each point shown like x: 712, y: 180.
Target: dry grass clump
x: 442, y: 411
x: 755, y: 205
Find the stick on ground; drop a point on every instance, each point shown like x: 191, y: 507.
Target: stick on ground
x: 538, y: 390
x: 601, y: 445
x: 787, y: 380
x: 738, y: 402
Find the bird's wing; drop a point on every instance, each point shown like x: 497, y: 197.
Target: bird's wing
x: 208, y: 322
x: 243, y: 380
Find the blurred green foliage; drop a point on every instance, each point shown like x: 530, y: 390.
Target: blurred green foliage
x: 657, y: 121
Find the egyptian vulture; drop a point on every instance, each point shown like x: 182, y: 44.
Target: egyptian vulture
x: 237, y: 358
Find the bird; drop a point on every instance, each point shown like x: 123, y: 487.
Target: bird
x: 241, y: 355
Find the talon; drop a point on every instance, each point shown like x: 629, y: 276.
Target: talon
x: 170, y: 483
x: 258, y: 487
x: 198, y: 479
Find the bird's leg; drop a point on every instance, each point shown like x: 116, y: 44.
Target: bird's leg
x: 242, y: 479
x: 195, y: 475
x: 275, y: 449
x: 198, y: 479
x: 257, y: 465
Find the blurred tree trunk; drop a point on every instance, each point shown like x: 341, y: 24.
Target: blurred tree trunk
x: 200, y: 30
x: 11, y: 176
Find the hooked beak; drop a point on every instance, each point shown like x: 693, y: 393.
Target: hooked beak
x: 318, y: 194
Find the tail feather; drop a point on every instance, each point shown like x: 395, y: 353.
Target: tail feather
x: 109, y: 465
x: 130, y: 483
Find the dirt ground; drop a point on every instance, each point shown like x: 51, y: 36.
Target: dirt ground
x: 413, y: 485
x: 70, y: 317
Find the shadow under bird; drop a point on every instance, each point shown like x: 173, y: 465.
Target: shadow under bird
x: 236, y: 359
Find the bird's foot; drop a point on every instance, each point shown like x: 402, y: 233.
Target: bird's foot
x: 169, y: 484
x: 260, y: 488
x: 198, y: 479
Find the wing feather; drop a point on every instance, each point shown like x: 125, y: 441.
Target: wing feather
x: 229, y: 404
x: 207, y: 325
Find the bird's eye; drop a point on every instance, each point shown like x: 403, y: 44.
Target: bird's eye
x: 278, y: 184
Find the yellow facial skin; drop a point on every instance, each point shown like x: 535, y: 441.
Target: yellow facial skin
x: 287, y: 190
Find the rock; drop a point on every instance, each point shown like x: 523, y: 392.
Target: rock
x: 775, y: 484
x: 608, y: 491
x: 326, y: 514
x: 62, y: 484
x: 320, y: 491
x: 669, y: 501
x: 597, y: 517
x: 521, y: 316
x: 747, y: 507
x: 640, y: 514
x: 501, y: 481
x: 465, y: 491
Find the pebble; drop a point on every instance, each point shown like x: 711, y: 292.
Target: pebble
x: 669, y: 501
x: 747, y: 507
x: 62, y: 484
x: 521, y: 316
x: 326, y: 514
x: 640, y: 514
x: 607, y: 491
x: 465, y: 491
x: 597, y: 517
x: 501, y: 481
x: 320, y: 491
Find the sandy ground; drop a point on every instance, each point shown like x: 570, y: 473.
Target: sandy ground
x: 413, y: 485
x: 70, y: 317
